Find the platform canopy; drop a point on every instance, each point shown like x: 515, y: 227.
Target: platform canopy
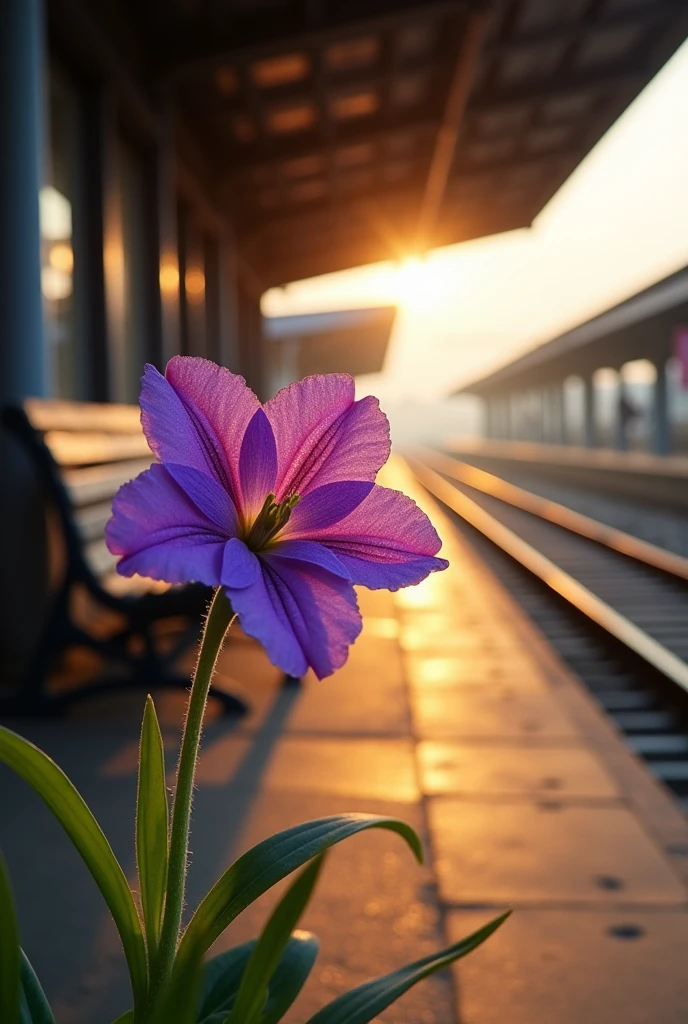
x: 641, y: 327
x: 354, y: 339
x: 342, y: 132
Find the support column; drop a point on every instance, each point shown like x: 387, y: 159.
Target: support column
x: 504, y: 416
x: 23, y: 367
x: 557, y: 419
x: 538, y: 414
x: 228, y: 342
x: 589, y: 425
x: 490, y: 425
x: 251, y: 339
x: 621, y: 416
x: 509, y: 416
x: 168, y: 242
x: 499, y: 416
x: 661, y: 420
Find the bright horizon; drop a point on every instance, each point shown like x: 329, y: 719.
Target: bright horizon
x: 619, y: 223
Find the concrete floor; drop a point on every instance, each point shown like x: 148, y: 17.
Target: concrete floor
x: 452, y: 715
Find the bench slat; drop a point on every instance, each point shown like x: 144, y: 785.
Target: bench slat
x: 88, y: 449
x: 92, y: 484
x: 91, y: 521
x: 99, y: 558
x: 55, y: 414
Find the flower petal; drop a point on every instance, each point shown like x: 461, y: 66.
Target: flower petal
x: 323, y: 435
x: 301, y: 613
x: 208, y: 496
x: 308, y: 552
x: 197, y: 416
x: 240, y: 567
x: 387, y: 542
x: 325, y: 506
x: 266, y: 620
x: 161, y: 533
x: 257, y: 465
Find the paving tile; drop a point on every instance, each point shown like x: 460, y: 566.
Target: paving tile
x: 381, y: 626
x: 376, y: 602
x: 449, y: 714
x: 367, y: 695
x: 473, y: 670
x: 529, y: 853
x: 245, y: 669
x: 374, y: 908
x: 437, y: 591
x: 574, y: 966
x: 443, y: 632
x: 381, y: 769
x: 549, y: 772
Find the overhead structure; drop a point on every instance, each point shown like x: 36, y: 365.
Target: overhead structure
x: 339, y: 134
x: 355, y: 339
x: 202, y: 151
x: 525, y: 399
x: 641, y: 327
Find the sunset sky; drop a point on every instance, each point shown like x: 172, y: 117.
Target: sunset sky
x: 619, y: 223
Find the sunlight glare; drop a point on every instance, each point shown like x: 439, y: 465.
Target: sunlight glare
x: 421, y: 282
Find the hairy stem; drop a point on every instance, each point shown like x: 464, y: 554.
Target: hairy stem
x: 219, y: 618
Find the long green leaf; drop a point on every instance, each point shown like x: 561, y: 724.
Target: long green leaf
x: 364, y: 1003
x: 253, y: 990
x: 10, y: 957
x: 34, y: 1004
x: 70, y: 809
x: 289, y: 978
x: 248, y: 878
x: 152, y: 824
x: 222, y: 977
x: 126, y: 1018
x: 269, y: 862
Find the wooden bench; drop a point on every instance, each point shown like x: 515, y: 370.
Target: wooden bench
x: 81, y: 454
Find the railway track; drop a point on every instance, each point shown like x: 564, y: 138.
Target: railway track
x: 614, y: 607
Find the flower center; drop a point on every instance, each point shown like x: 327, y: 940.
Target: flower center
x: 269, y: 521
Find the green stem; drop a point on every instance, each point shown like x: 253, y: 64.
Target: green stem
x: 220, y: 617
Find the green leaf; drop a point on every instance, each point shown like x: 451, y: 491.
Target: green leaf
x: 269, y: 862
x: 70, y: 809
x: 126, y: 1018
x: 289, y: 978
x: 10, y: 957
x: 35, y: 1007
x: 222, y: 977
x: 253, y: 874
x: 152, y: 827
x: 364, y: 1003
x: 253, y: 990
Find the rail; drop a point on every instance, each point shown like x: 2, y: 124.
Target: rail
x: 595, y: 609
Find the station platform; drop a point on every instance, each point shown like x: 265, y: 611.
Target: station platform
x: 605, y: 469
x: 453, y: 714
x: 646, y: 463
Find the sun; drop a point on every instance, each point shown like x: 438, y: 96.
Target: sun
x: 420, y: 282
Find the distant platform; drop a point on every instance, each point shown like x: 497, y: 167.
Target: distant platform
x: 621, y: 472
x: 675, y: 466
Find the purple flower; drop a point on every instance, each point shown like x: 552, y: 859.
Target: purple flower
x: 277, y: 503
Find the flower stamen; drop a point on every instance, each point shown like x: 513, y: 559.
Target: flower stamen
x: 272, y: 517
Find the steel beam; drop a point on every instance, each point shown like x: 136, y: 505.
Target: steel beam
x: 468, y: 54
